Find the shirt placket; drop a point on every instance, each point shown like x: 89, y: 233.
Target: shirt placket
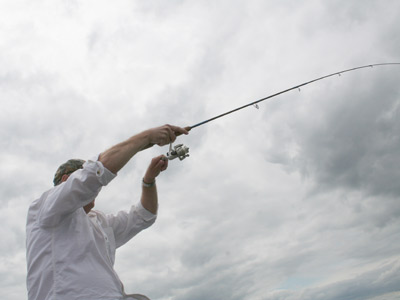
x: 106, y: 240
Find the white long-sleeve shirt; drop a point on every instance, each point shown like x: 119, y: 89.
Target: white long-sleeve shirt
x: 70, y: 254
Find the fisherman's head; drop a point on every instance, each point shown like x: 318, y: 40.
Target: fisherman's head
x: 67, y: 169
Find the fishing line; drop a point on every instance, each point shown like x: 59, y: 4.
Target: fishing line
x: 255, y: 103
x: 181, y: 151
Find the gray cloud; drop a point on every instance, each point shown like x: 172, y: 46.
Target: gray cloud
x: 356, y: 145
x: 383, y: 279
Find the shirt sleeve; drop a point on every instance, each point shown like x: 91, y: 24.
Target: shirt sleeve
x: 81, y: 187
x: 127, y: 224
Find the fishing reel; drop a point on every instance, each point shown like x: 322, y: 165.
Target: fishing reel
x: 179, y: 151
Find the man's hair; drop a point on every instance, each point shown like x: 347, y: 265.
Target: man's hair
x: 67, y: 168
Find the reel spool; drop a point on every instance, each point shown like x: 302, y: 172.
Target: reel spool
x: 179, y: 151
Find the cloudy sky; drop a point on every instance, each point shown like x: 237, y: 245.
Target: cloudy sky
x: 298, y: 199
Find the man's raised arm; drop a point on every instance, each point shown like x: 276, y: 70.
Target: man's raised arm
x: 117, y: 156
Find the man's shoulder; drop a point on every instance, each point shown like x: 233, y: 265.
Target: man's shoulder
x: 35, y: 204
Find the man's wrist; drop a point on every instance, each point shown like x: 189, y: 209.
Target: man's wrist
x: 145, y: 140
x: 147, y: 182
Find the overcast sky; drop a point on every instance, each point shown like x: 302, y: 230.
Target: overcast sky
x: 298, y: 199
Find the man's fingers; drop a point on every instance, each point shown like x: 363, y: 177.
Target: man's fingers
x: 155, y: 160
x: 164, y: 138
x: 179, y: 130
x: 160, y: 162
x: 165, y: 163
x: 172, y: 136
x: 167, y: 134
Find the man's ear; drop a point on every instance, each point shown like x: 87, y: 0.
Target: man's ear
x: 64, y: 177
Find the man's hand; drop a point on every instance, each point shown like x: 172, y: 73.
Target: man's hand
x: 166, y: 134
x: 149, y: 197
x: 157, y: 165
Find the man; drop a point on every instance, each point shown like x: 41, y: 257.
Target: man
x: 70, y: 247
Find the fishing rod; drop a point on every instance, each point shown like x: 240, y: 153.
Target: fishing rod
x: 180, y: 151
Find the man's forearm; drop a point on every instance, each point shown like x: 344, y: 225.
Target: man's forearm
x: 117, y: 156
x: 149, y: 190
x: 149, y: 198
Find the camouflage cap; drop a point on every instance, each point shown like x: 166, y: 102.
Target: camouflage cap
x: 67, y: 168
